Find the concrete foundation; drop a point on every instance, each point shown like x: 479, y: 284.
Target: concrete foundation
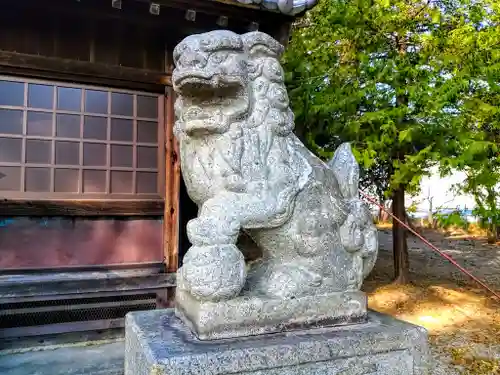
x: 88, y: 358
x: 157, y: 342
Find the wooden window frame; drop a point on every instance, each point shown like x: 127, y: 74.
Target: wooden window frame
x: 91, y: 73
x: 39, y: 204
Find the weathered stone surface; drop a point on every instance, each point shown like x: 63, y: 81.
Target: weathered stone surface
x: 85, y: 359
x: 249, y: 173
x: 222, y: 279
x: 158, y: 343
x: 251, y: 315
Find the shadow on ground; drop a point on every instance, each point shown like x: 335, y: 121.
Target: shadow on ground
x: 463, y: 319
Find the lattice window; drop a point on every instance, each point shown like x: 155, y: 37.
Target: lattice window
x: 62, y: 141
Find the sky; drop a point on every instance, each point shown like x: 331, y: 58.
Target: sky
x: 440, y: 190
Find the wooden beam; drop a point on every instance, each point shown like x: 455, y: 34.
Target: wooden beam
x: 232, y: 8
x: 167, y: 223
x: 59, y: 328
x: 175, y: 170
x: 96, y: 73
x: 168, y: 244
x: 176, y: 186
x: 117, y: 269
x: 158, y: 290
x: 9, y: 207
x: 137, y: 12
x: 172, y: 186
x: 69, y: 285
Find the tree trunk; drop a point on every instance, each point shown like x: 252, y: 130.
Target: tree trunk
x: 492, y: 205
x: 400, y: 246
x: 383, y: 215
x: 410, y: 223
x: 493, y: 233
x: 430, y: 214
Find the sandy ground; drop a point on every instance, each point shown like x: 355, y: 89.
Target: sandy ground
x: 463, y: 320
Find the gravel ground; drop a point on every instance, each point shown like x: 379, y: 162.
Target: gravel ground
x: 463, y: 320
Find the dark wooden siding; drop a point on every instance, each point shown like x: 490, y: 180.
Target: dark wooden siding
x: 69, y: 266
x: 55, y: 33
x: 91, y: 42
x: 60, y: 242
x: 78, y: 42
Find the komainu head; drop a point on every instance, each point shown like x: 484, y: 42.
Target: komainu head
x: 209, y: 62
x: 223, y: 78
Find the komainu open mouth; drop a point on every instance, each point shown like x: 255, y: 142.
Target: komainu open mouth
x: 192, y: 84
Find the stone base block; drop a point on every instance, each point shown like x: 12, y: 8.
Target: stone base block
x: 157, y: 342
x: 250, y: 315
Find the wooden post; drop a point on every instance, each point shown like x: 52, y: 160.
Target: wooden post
x: 170, y: 236
x: 283, y: 33
x: 172, y: 183
x: 172, y: 189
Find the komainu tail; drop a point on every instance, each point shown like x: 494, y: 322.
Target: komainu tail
x: 346, y: 170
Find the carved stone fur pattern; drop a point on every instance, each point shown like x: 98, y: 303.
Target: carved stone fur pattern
x: 247, y: 171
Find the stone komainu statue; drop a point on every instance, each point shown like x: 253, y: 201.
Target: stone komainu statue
x: 248, y: 172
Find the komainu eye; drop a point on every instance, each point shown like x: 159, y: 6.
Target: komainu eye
x: 218, y: 58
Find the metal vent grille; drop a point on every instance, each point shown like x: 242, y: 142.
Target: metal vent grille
x: 77, y: 304
x: 19, y: 322
x: 53, y: 312
x: 71, y: 301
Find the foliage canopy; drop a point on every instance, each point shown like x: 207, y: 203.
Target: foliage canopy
x: 393, y: 78
x: 410, y: 83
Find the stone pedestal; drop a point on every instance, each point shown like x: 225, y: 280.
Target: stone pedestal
x: 251, y: 315
x: 158, y: 343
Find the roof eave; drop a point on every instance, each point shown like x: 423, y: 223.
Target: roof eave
x: 292, y: 8
x: 295, y: 7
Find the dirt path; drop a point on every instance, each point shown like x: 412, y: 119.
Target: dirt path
x: 462, y: 319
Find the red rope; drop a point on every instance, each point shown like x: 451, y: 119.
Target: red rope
x: 444, y: 255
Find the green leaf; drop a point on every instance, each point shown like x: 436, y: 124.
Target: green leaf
x: 405, y: 135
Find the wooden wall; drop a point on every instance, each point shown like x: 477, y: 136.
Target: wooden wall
x: 81, y: 45
x: 75, y: 37
x: 89, y: 42
x: 81, y: 265
x: 79, y: 42
x: 62, y: 241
